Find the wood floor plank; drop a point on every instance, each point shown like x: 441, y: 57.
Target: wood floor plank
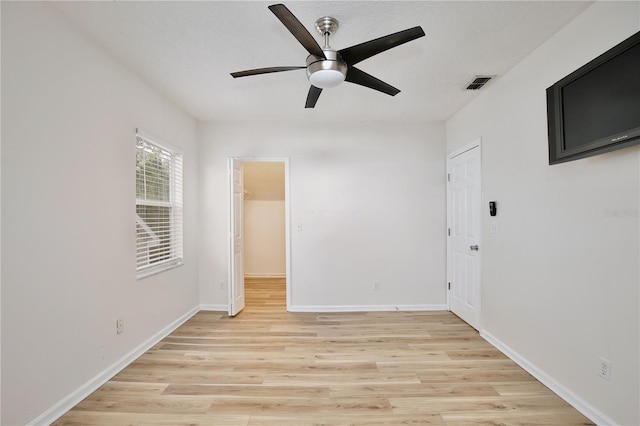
x: 230, y: 377
x: 269, y: 367
x: 341, y: 378
x: 533, y: 387
x: 129, y: 388
x: 317, y: 408
x: 413, y: 390
x: 145, y: 404
x: 251, y: 391
x: 446, y: 406
x: 377, y: 419
x: 107, y: 418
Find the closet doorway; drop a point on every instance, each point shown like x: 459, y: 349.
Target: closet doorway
x: 264, y: 278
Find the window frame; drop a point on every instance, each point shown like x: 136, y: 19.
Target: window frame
x: 175, y: 221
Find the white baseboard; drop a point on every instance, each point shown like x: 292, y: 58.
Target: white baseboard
x: 365, y: 308
x: 71, y: 400
x: 223, y: 308
x: 264, y: 275
x: 562, y: 391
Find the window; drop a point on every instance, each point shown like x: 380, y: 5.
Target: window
x: 158, y: 207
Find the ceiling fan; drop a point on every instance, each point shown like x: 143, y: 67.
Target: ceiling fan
x: 327, y: 67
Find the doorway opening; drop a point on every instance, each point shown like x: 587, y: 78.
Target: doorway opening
x: 260, y: 253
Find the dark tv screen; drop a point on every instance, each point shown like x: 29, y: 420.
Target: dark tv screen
x: 596, y: 108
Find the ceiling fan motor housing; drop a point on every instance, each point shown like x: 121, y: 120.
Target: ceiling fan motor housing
x: 326, y: 73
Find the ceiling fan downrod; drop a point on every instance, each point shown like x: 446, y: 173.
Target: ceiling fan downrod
x: 326, y: 26
x: 331, y: 70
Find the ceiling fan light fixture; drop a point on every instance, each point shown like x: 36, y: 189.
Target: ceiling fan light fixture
x: 326, y: 73
x: 325, y: 79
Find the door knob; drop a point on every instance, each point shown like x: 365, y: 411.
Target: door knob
x: 475, y: 248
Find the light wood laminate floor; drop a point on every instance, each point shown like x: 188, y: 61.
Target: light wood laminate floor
x: 270, y: 367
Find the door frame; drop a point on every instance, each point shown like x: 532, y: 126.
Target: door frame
x: 450, y: 156
x: 236, y: 237
x: 287, y: 224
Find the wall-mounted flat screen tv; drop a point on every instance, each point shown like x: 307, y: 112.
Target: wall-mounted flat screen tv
x: 596, y: 108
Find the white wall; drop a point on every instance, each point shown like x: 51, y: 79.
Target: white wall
x: 0, y: 234
x: 69, y: 114
x: 370, y: 199
x: 560, y: 280
x: 264, y: 238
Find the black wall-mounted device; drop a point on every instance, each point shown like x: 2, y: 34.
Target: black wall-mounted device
x: 493, y: 210
x: 604, y: 94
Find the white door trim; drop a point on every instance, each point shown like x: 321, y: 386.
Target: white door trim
x: 236, y: 301
x: 287, y: 214
x: 462, y: 150
x: 450, y: 156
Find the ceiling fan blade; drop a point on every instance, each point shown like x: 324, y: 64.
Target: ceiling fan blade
x: 356, y: 76
x: 354, y: 54
x: 312, y: 96
x: 258, y: 71
x: 297, y: 29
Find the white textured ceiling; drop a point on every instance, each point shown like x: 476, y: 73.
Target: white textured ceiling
x: 186, y: 50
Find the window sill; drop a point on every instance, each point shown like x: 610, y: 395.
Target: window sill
x: 156, y: 269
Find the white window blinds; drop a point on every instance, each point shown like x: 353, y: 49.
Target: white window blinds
x: 158, y: 207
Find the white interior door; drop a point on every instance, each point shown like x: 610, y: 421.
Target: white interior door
x: 236, y: 240
x: 463, y: 248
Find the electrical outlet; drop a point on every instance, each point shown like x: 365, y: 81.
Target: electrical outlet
x: 605, y: 369
x: 120, y: 325
x: 221, y: 285
x: 376, y: 285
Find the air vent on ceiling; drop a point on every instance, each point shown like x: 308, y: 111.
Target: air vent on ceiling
x: 479, y: 82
